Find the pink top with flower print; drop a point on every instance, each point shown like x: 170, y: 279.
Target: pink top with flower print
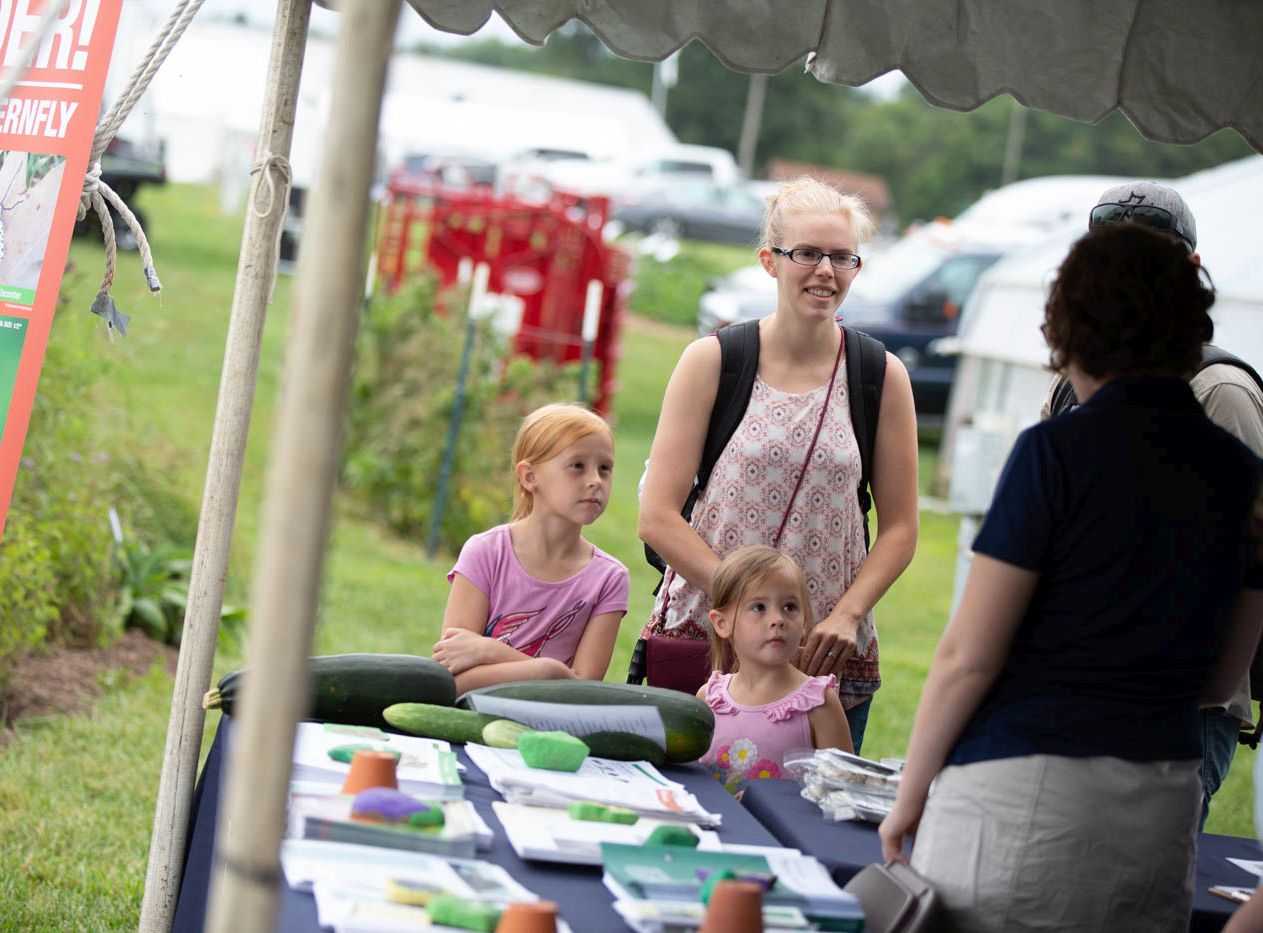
x: 750, y: 742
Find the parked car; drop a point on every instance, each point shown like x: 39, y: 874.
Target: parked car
x: 127, y: 164
x: 448, y: 170
x: 908, y: 296
x: 693, y: 210
x: 625, y: 176
x: 684, y: 162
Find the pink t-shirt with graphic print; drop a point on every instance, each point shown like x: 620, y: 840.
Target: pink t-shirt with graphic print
x: 539, y: 618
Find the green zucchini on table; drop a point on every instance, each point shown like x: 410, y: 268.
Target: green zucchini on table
x: 355, y: 688
x: 688, y: 722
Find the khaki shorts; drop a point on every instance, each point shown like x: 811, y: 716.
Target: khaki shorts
x: 1046, y: 842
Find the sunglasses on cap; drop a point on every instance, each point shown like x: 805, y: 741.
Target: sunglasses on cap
x: 1149, y: 215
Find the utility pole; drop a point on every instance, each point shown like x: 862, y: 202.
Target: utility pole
x: 1013, y: 147
x: 750, y: 123
x: 666, y: 74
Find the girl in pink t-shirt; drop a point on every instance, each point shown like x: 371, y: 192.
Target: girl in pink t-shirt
x: 767, y: 706
x: 532, y: 600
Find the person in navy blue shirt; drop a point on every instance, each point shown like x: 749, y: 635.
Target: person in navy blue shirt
x: 1116, y: 587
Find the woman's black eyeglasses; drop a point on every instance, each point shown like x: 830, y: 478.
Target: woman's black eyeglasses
x: 806, y: 256
x: 1150, y: 215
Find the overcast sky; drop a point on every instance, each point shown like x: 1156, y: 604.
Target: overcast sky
x: 412, y: 28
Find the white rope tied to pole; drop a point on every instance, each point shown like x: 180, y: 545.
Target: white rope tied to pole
x: 99, y: 196
x: 277, y: 174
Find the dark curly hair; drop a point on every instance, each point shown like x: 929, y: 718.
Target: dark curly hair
x: 1128, y: 300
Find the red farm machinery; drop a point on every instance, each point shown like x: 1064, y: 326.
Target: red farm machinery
x: 569, y: 284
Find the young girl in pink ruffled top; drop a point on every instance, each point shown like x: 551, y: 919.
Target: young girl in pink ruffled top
x: 766, y: 706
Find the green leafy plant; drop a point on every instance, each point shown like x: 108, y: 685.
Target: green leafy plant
x: 670, y: 290
x: 402, y: 401
x: 154, y: 590
x: 154, y: 593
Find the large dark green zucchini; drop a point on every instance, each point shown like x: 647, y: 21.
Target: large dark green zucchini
x: 688, y: 721
x: 355, y: 688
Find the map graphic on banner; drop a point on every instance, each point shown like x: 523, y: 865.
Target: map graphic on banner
x: 46, y: 128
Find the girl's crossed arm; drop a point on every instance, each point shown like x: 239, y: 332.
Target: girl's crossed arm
x: 476, y: 660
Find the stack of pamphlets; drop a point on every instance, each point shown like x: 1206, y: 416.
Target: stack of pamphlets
x: 669, y: 875
x: 328, y: 817
x: 548, y: 834
x: 427, y: 770
x: 636, y: 785
x: 427, y: 767
x: 351, y: 884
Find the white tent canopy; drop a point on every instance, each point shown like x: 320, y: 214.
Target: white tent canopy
x: 1179, y: 73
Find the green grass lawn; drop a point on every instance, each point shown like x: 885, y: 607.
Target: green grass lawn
x: 77, y: 793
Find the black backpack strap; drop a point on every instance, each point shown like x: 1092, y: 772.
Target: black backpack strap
x: 739, y: 363
x: 1063, y: 397
x: 865, y: 376
x: 1212, y: 355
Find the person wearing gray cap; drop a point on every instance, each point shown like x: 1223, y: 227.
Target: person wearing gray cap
x: 1231, y: 393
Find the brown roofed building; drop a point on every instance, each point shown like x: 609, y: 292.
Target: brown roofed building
x: 871, y: 188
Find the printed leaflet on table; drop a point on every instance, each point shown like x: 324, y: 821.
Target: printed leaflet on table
x: 636, y: 785
x: 427, y: 767
x: 548, y: 834
x: 644, y: 721
x: 328, y: 817
x: 670, y: 873
x: 350, y: 880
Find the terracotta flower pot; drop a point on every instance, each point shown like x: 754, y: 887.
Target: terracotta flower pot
x: 370, y: 769
x: 529, y: 917
x: 734, y: 907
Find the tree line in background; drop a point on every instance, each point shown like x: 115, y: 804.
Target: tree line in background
x: 936, y: 162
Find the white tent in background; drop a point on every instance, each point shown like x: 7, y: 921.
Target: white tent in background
x: 208, y: 115
x: 1001, y: 377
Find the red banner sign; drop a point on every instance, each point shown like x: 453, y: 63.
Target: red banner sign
x: 46, y: 128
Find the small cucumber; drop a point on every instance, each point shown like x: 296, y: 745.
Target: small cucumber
x: 503, y: 733
x: 438, y: 722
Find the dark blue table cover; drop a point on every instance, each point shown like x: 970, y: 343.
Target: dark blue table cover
x: 847, y: 847
x: 584, y: 902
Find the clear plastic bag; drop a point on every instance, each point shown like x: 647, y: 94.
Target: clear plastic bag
x: 845, y: 786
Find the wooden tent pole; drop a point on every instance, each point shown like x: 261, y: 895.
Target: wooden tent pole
x: 256, y: 273
x: 301, y: 478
